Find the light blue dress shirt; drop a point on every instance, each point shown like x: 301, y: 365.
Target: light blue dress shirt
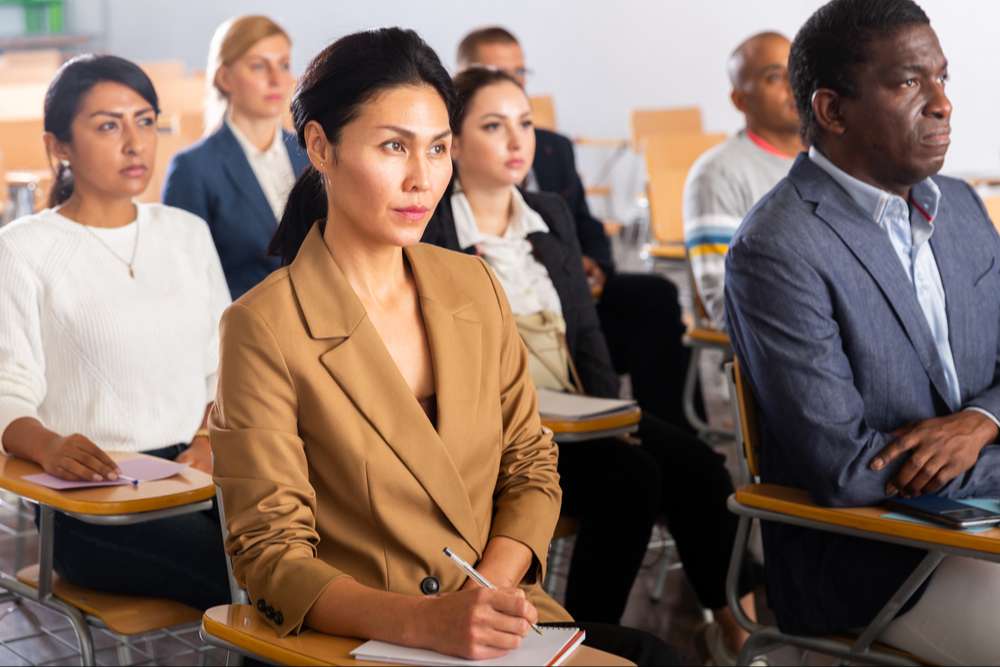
x: 910, y: 226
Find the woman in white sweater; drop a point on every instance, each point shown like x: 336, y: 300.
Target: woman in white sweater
x: 109, y: 316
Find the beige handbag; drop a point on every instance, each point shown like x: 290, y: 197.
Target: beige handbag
x: 549, y: 360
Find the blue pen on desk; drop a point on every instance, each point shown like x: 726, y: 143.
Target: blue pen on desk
x: 135, y: 482
x: 476, y: 577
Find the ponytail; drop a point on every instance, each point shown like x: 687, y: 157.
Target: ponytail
x: 62, y: 186
x: 306, y: 204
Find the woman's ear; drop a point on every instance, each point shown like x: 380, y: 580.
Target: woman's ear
x: 318, y: 147
x: 56, y: 150
x: 222, y: 82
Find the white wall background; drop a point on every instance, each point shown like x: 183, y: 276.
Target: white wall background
x: 598, y: 58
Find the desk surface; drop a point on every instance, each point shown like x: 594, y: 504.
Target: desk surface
x: 189, y: 486
x: 620, y: 420
x: 242, y: 627
x: 796, y: 502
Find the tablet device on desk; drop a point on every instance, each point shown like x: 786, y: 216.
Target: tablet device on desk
x: 944, y: 511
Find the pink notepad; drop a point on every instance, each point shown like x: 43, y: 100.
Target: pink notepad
x: 144, y: 470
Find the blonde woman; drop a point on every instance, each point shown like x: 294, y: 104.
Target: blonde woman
x: 239, y: 176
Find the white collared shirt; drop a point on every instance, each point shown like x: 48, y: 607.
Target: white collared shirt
x: 525, y: 280
x: 272, y: 167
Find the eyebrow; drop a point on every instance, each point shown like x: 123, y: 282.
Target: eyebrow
x: 494, y: 114
x: 115, y: 114
x: 409, y: 134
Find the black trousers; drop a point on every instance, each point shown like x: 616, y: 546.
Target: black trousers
x: 616, y: 491
x: 180, y: 558
x: 641, y: 320
x: 637, y: 646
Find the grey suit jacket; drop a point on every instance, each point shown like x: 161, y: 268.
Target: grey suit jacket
x: 838, y: 354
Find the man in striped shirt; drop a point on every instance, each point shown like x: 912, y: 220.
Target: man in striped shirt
x: 726, y: 182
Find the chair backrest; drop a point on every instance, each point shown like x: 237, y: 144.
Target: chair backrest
x: 22, y: 144
x: 161, y: 71
x: 668, y: 160
x: 52, y: 58
x: 678, y: 120
x: 543, y: 111
x: 182, y: 94
x: 171, y: 139
x: 238, y: 595
x: 993, y: 208
x: 745, y: 407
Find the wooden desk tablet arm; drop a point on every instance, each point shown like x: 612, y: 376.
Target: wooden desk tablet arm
x: 262, y: 472
x: 527, y: 497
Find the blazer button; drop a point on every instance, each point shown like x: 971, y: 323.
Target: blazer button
x: 279, y: 618
x: 261, y: 605
x: 269, y: 612
x: 430, y: 586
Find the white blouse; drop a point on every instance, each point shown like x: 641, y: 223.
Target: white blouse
x: 128, y: 362
x: 272, y: 167
x: 525, y: 280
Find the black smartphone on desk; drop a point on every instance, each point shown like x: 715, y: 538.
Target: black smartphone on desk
x: 944, y: 511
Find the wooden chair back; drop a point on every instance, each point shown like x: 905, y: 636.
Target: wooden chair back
x: 543, y: 111
x: 171, y: 139
x: 749, y: 424
x: 993, y: 208
x: 668, y: 159
x: 22, y: 144
x: 162, y: 71
x: 649, y: 122
x: 182, y: 94
x: 51, y: 58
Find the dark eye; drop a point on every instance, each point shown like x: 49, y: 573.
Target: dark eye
x: 394, y: 146
x: 527, y: 123
x: 147, y: 121
x: 107, y: 126
x: 491, y: 127
x: 286, y: 66
x: 910, y: 83
x: 439, y: 149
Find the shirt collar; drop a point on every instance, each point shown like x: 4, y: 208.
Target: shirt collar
x: 766, y: 145
x: 248, y: 146
x: 925, y: 195
x: 524, y: 220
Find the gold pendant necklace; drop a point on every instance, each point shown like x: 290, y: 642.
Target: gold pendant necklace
x: 130, y: 263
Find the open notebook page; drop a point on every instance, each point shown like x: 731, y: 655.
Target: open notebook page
x: 552, y: 647
x: 559, y: 405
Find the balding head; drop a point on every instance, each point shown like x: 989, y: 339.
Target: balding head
x: 758, y: 70
x: 753, y: 53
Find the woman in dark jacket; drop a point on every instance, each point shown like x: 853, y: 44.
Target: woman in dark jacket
x: 614, y: 489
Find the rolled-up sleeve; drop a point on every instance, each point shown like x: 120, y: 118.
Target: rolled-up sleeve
x: 527, y: 498
x: 262, y: 471
x: 22, y: 359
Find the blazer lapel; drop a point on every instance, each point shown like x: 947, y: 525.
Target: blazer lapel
x: 362, y: 366
x: 955, y: 257
x: 237, y: 168
x: 871, y: 246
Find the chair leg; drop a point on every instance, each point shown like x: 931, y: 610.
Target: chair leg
x: 124, y: 651
x: 83, y: 637
x: 233, y: 659
x: 690, y: 385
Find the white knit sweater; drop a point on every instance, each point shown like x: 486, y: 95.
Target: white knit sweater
x: 84, y: 348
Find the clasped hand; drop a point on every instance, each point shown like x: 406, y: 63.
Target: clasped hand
x: 940, y: 449
x: 477, y: 623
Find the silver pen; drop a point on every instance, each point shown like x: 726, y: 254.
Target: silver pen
x: 476, y: 577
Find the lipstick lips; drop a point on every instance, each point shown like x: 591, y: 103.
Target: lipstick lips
x: 514, y: 163
x: 414, y: 213
x: 134, y: 171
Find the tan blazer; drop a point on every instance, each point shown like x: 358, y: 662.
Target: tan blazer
x: 327, y: 463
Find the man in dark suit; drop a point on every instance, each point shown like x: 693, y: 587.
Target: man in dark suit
x: 863, y: 297
x: 640, y: 313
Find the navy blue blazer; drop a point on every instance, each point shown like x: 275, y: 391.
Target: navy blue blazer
x: 213, y: 180
x: 838, y: 354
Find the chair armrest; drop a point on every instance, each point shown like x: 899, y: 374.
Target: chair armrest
x: 770, y: 502
x: 705, y: 337
x: 605, y: 423
x: 187, y: 487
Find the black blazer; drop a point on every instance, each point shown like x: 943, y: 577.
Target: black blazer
x: 213, y: 179
x: 555, y: 170
x: 559, y: 252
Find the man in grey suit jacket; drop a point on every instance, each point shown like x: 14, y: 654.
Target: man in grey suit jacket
x: 863, y: 296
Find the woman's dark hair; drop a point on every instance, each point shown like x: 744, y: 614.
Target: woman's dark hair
x: 469, y: 82
x: 834, y: 41
x: 336, y: 84
x: 65, y: 95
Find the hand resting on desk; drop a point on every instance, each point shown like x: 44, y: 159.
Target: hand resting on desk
x: 940, y: 449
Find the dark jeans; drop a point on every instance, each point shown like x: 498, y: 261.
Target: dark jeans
x: 179, y: 558
x: 641, y: 320
x: 640, y: 647
x: 616, y: 491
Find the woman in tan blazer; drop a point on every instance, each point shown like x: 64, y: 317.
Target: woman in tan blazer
x: 374, y: 404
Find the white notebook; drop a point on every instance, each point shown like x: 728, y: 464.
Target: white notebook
x: 553, y: 647
x: 574, y: 407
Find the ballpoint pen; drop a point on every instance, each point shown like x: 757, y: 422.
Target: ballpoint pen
x: 476, y: 577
